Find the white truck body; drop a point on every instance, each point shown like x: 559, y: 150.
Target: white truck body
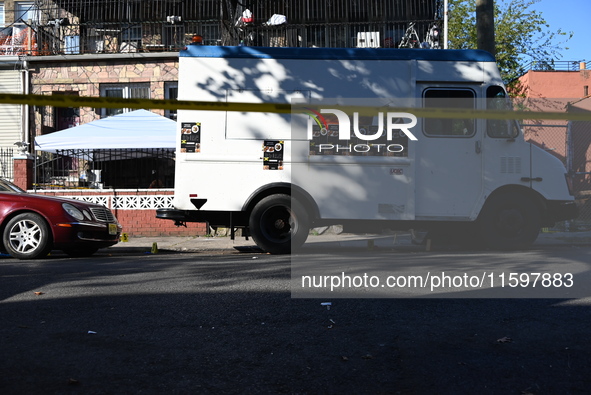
x: 441, y: 179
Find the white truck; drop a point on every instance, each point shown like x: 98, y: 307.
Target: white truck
x: 261, y: 172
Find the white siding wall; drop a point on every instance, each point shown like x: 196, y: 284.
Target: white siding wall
x: 10, y: 114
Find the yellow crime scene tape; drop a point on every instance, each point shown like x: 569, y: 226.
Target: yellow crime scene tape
x: 285, y: 108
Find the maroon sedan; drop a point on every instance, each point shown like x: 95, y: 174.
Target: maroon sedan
x: 33, y: 225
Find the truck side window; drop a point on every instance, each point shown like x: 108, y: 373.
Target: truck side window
x: 454, y: 99
x: 496, y: 99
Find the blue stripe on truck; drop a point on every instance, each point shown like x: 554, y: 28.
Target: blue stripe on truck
x: 205, y: 51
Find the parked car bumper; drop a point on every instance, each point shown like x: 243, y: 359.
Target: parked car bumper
x: 97, y: 235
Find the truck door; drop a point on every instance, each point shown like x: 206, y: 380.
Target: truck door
x: 449, y: 157
x: 507, y: 157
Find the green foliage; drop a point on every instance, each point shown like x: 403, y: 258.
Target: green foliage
x: 522, y: 35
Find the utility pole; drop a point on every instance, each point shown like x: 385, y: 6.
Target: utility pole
x: 485, y: 25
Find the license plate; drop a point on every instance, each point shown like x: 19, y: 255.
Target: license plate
x: 112, y: 229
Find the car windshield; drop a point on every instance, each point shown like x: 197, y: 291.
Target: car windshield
x: 7, y: 186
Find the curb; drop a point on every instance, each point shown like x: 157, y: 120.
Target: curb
x: 163, y: 245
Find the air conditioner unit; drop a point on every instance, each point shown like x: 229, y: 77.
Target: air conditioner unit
x: 368, y: 40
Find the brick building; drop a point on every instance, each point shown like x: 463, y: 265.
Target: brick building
x: 552, y: 89
x: 562, y: 87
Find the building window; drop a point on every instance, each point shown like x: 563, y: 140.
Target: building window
x: 174, y: 37
x: 131, y: 33
x: 2, y: 19
x: 131, y: 38
x: 123, y: 91
x: 66, y: 117
x: 25, y: 11
x: 171, y: 91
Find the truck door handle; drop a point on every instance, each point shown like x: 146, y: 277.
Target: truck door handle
x: 527, y: 179
x: 478, y: 147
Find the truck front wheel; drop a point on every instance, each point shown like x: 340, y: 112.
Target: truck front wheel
x: 509, y: 221
x: 279, y: 224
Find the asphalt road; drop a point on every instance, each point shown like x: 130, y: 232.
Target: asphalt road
x: 190, y: 322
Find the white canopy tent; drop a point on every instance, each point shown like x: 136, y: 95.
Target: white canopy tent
x: 81, y: 155
x: 140, y: 129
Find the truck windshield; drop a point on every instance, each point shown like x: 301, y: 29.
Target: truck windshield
x: 496, y: 99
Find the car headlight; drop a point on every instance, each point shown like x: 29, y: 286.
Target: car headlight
x: 87, y: 215
x: 73, y: 211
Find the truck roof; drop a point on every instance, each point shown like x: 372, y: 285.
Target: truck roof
x: 466, y: 55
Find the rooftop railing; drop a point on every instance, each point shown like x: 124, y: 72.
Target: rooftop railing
x: 557, y: 65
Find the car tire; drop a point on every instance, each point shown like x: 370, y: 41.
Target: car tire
x: 27, y: 236
x: 509, y: 222
x: 279, y: 224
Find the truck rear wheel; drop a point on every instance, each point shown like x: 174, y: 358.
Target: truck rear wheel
x: 509, y: 221
x: 279, y: 224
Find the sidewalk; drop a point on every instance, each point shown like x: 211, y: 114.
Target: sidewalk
x: 398, y: 240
